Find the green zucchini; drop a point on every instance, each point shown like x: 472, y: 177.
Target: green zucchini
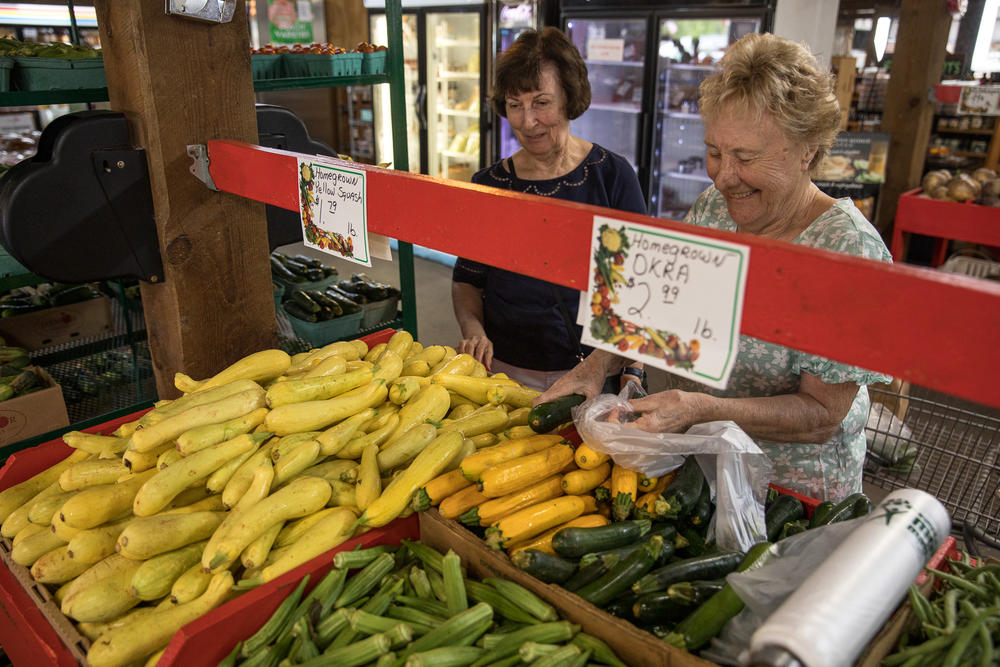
x: 705, y: 622
x: 701, y: 513
x: 574, y: 542
x: 714, y: 566
x: 544, y: 417
x: 347, y: 305
x: 783, y: 510
x: 843, y: 510
x: 304, y: 301
x: 546, y: 567
x: 658, y: 607
x: 279, y: 270
x: 310, y: 262
x: 586, y: 575
x: 863, y: 506
x: 692, y: 593
x: 295, y: 310
x: 684, y: 490
x: 621, y: 607
x: 697, y: 545
x: 793, y: 528
x: 620, y: 578
x: 325, y: 302
x: 819, y: 514
x: 667, y: 531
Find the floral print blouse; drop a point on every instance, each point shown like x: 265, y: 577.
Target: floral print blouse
x: 832, y: 470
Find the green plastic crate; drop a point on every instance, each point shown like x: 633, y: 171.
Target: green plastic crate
x: 6, y: 65
x: 32, y: 73
x: 266, y: 66
x: 318, y: 64
x: 320, y: 333
x: 373, y: 63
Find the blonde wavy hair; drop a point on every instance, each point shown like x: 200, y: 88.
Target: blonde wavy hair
x: 762, y: 73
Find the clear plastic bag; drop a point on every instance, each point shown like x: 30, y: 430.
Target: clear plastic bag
x: 735, y: 467
x: 764, y: 589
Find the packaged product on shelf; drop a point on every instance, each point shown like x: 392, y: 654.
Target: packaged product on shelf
x: 53, y: 313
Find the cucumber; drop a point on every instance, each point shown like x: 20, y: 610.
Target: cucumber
x: 714, y: 566
x: 658, y: 607
x: 683, y: 492
x: 705, y: 622
x: 547, y: 416
x: 784, y: 509
x: 546, y: 567
x: 620, y: 578
x: 574, y: 542
x: 844, y: 510
x: 819, y: 514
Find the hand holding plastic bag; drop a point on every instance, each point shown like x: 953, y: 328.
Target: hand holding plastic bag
x: 735, y: 467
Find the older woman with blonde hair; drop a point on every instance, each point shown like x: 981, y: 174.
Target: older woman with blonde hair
x: 770, y: 117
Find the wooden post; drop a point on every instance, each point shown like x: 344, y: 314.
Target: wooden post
x: 184, y: 82
x: 844, y: 67
x: 916, y: 66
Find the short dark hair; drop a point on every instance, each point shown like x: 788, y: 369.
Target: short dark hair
x: 518, y: 70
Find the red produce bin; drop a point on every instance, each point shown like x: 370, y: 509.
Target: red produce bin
x: 946, y: 220
x: 29, y: 638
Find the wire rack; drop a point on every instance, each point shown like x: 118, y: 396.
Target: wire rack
x: 939, y: 444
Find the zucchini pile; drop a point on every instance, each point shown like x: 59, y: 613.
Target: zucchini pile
x: 299, y: 268
x: 47, y: 295
x: 250, y: 473
x: 363, y: 289
x: 413, y: 606
x: 16, y: 378
x: 319, y: 305
x: 102, y: 372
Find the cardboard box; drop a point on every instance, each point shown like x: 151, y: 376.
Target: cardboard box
x: 38, y: 412
x: 635, y: 647
x: 55, y: 326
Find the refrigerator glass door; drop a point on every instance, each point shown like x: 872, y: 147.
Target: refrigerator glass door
x: 513, y: 20
x: 614, y: 50
x: 453, y: 57
x: 380, y: 95
x: 688, y: 49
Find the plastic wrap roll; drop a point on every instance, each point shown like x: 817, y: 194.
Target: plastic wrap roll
x: 830, y: 618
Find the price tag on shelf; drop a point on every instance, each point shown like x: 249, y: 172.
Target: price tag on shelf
x: 334, y: 210
x: 982, y: 100
x: 608, y: 50
x: 669, y: 299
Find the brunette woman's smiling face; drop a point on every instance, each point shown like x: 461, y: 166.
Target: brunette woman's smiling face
x: 756, y: 167
x: 538, y: 117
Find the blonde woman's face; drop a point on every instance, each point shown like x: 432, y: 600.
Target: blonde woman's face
x: 538, y: 117
x: 755, y: 167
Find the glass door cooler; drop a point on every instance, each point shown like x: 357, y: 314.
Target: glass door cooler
x: 687, y: 51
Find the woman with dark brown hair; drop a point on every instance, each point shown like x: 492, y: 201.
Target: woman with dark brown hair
x: 523, y: 326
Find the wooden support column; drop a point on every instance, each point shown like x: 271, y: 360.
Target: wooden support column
x: 184, y: 82
x: 908, y: 113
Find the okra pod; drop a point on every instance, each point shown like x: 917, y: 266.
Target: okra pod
x: 421, y: 585
x: 522, y: 597
x: 230, y: 660
x: 531, y: 651
x: 365, y: 580
x: 377, y: 605
x: 350, y: 560
x: 481, y: 592
x: 386, y: 660
x: 547, y: 633
x: 600, y: 651
x: 459, y: 627
x: 427, y: 555
x: 446, y: 656
x: 412, y: 615
x: 399, y: 635
x: 436, y: 580
x: 359, y: 653
x: 330, y: 627
x: 558, y: 658
x: 454, y: 584
x: 275, y: 625
x: 434, y: 607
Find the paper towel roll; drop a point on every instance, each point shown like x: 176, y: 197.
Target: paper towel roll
x: 830, y: 618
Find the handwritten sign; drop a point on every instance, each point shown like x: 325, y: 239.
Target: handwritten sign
x: 669, y: 299
x: 607, y: 50
x: 984, y: 100
x: 334, y: 210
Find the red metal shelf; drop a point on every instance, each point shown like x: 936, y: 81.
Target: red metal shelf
x: 935, y: 330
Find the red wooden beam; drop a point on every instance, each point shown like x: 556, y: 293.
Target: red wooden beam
x: 936, y: 330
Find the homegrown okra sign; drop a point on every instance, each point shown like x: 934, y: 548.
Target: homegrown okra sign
x: 333, y: 206
x: 666, y: 298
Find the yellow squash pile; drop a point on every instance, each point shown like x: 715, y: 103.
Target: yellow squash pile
x: 249, y: 474
x: 526, y: 490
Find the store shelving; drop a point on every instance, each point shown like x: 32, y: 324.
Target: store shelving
x: 701, y: 178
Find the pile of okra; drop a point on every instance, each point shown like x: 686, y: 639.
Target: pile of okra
x: 410, y: 605
x: 959, y: 624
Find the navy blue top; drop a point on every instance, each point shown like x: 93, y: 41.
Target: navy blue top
x: 522, y: 317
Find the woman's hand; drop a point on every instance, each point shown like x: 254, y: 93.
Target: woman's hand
x: 586, y: 378
x: 480, y: 347
x: 671, y: 411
